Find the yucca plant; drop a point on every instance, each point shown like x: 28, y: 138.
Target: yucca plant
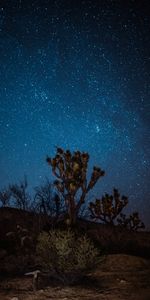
x: 70, y: 170
x: 108, y: 207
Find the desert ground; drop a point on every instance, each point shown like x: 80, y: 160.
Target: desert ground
x: 119, y: 277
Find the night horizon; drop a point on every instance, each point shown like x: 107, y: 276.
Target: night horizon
x: 75, y: 74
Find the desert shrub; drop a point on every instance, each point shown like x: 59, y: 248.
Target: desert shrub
x: 19, y: 195
x: 47, y: 201
x: 66, y: 256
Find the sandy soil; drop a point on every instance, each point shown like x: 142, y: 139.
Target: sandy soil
x: 119, y: 277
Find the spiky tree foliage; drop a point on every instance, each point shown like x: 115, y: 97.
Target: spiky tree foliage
x: 5, y: 197
x: 70, y: 170
x: 108, y: 207
x: 132, y: 222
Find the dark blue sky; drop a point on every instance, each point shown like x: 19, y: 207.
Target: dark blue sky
x: 77, y: 74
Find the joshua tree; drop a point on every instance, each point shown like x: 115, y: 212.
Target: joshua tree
x: 132, y: 222
x: 108, y: 207
x: 70, y: 170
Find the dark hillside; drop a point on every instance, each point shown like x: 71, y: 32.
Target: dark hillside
x: 112, y: 239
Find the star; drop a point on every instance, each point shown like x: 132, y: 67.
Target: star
x: 97, y: 128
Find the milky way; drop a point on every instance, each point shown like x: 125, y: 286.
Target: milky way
x: 75, y: 74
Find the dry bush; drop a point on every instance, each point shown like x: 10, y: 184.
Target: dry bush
x: 66, y: 256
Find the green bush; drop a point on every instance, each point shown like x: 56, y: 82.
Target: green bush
x: 65, y: 255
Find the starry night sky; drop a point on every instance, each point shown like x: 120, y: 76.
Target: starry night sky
x: 76, y: 74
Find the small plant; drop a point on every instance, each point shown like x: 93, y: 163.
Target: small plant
x: 70, y: 170
x: 66, y: 256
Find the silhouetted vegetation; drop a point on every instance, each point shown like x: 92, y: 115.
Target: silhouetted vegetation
x: 57, y: 207
x: 67, y: 195
x: 47, y: 201
x: 5, y: 196
x: 19, y: 195
x: 132, y: 222
x: 70, y: 170
x: 109, y: 208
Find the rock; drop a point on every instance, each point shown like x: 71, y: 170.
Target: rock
x: 41, y: 291
x: 123, y: 281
